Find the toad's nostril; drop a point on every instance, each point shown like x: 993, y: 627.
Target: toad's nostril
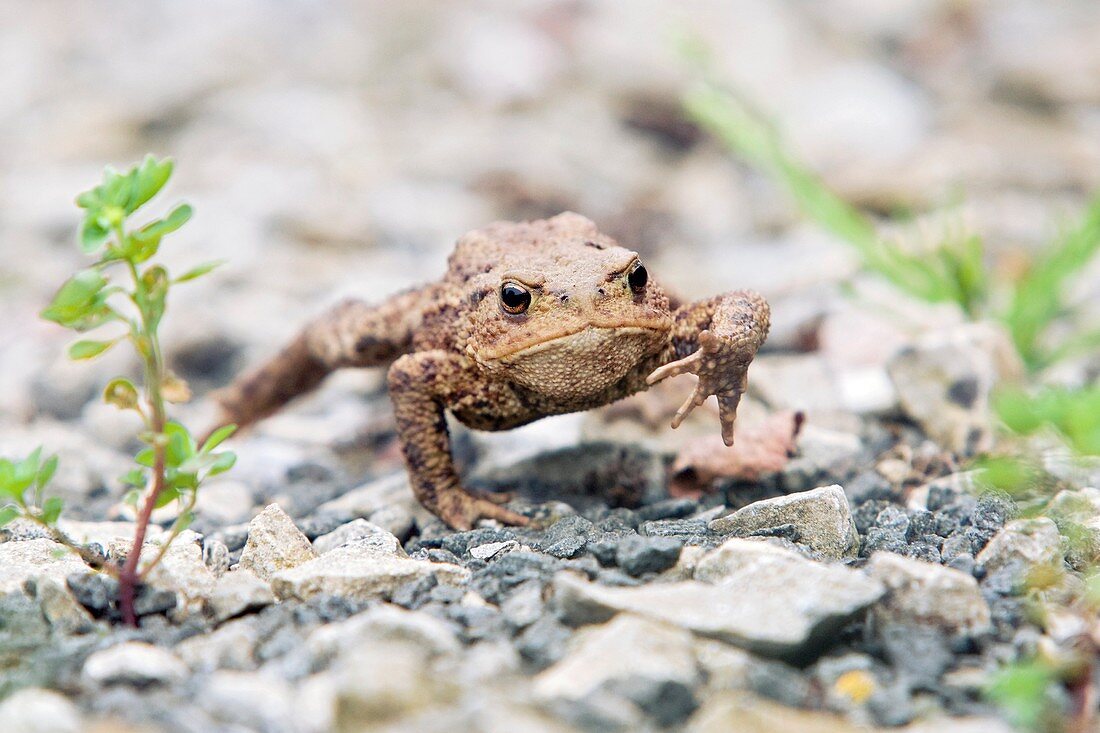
x: 601, y: 291
x: 564, y: 297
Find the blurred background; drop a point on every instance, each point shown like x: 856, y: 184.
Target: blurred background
x: 334, y: 148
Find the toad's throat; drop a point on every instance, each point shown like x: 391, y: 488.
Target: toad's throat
x: 581, y: 363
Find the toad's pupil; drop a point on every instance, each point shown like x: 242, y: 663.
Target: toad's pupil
x: 514, y: 298
x: 638, y: 278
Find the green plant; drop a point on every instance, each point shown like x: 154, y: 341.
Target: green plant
x: 951, y: 271
x: 172, y: 466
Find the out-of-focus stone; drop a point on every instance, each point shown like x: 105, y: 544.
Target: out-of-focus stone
x: 134, y: 663
x: 1021, y: 548
x: 35, y: 710
x: 944, y: 381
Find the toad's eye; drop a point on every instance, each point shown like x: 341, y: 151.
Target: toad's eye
x: 637, y: 278
x: 514, y: 298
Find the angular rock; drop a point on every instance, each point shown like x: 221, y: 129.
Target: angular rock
x: 491, y: 549
x: 237, y: 592
x: 821, y: 516
x: 274, y: 544
x: 230, y: 646
x: 382, y: 623
x: 649, y: 663
x: 638, y: 555
x: 360, y: 573
x: 134, y: 663
x: 359, y: 531
x: 925, y: 593
x: 1077, y: 514
x: 251, y: 700
x: 1018, y: 549
x: 22, y: 561
x: 757, y: 596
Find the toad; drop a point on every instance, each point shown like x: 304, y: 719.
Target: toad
x: 531, y: 319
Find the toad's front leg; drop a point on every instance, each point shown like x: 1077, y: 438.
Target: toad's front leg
x: 420, y: 386
x: 716, y: 339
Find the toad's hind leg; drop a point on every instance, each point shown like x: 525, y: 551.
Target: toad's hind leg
x: 351, y: 334
x: 421, y: 386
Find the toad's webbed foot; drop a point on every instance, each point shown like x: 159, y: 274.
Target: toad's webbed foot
x: 717, y: 340
x: 461, y: 509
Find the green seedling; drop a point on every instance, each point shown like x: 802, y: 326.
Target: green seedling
x: 126, y: 291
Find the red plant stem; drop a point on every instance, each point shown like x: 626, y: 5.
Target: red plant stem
x: 128, y: 576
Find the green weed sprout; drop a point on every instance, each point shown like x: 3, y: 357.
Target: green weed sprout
x: 173, y: 465
x: 952, y: 271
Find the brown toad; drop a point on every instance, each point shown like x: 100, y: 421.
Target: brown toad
x: 531, y: 319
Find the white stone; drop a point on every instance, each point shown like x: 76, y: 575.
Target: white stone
x: 361, y: 573
x: 821, y: 516
x: 1019, y: 547
x: 134, y: 663
x: 34, y: 710
x: 274, y: 544
x: 28, y: 559
x: 492, y: 549
x: 61, y: 609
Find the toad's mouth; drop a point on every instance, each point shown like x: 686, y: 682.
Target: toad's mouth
x: 581, y: 363
x: 575, y: 338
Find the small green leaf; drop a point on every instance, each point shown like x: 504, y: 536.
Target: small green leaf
x: 8, y: 513
x: 93, y: 235
x: 45, y: 474
x: 132, y: 497
x: 218, y: 437
x: 122, y: 393
x: 90, y: 349
x: 134, y: 477
x: 81, y: 303
x: 51, y: 510
x: 146, y: 457
x: 7, y: 476
x: 224, y: 461
x: 167, y: 496
x: 199, y: 271
x: 147, y: 180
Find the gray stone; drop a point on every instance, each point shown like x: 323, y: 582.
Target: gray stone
x: 359, y: 531
x: 1017, y: 550
x: 35, y: 710
x: 237, y: 592
x: 924, y: 593
x: 134, y: 663
x: 749, y: 593
x: 383, y: 623
x: 360, y: 573
x: 821, y: 517
x: 274, y: 544
x: 638, y: 555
